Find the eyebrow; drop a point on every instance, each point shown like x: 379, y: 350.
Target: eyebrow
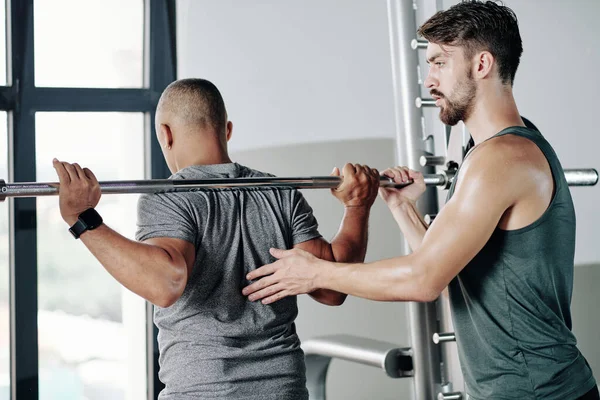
x: 433, y: 57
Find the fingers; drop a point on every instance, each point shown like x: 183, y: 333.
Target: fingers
x: 335, y: 172
x: 68, y: 172
x: 63, y: 175
x: 281, y: 253
x: 401, y: 174
x: 90, y: 175
x: 71, y: 170
x: 265, y: 270
x: 258, y: 285
x: 276, y: 297
x: 415, y: 175
x: 349, y: 170
x: 79, y: 171
x: 266, y: 292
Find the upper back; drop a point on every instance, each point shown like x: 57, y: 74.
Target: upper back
x: 213, y: 339
x: 232, y: 230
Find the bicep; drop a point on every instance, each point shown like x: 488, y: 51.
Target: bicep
x: 177, y: 249
x: 461, y: 229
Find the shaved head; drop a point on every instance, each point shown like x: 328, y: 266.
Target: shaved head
x: 195, y: 103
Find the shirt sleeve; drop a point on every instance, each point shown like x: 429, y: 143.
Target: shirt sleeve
x: 165, y: 215
x: 304, y: 224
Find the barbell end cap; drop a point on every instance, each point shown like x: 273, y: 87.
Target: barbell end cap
x: 418, y: 102
x: 3, y: 190
x: 414, y: 44
x: 596, y: 172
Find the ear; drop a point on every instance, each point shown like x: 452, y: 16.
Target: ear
x: 165, y: 136
x: 485, y: 64
x: 229, y: 130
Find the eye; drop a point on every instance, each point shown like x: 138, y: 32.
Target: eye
x: 439, y: 64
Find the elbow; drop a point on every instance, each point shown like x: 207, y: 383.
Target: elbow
x: 428, y: 294
x: 428, y: 289
x: 166, y: 300
x: 329, y: 297
x: 337, y: 300
x: 423, y: 287
x: 171, y: 289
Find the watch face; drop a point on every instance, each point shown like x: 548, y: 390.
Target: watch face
x: 91, y: 218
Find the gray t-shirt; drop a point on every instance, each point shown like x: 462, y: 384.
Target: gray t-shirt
x: 214, y: 342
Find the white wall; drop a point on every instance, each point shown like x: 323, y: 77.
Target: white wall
x: 317, y: 73
x: 292, y: 71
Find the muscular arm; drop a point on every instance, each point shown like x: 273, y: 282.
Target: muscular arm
x: 157, y: 269
x: 504, y: 177
x: 348, y: 245
x: 491, y: 182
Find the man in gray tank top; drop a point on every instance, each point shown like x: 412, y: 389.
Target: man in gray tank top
x: 504, y: 242
x: 194, y: 249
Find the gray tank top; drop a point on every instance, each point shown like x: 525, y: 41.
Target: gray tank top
x: 511, y: 305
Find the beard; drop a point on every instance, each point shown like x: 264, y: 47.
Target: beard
x: 460, y: 104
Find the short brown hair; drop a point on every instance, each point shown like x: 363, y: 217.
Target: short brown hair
x: 479, y: 25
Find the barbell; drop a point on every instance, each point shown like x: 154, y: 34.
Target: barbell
x: 574, y: 177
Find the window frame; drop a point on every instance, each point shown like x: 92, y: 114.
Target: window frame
x: 22, y: 99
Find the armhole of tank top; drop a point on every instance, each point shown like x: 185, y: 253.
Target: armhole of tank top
x: 556, y: 182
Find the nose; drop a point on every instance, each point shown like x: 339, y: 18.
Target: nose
x: 430, y: 81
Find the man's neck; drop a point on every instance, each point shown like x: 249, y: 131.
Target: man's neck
x: 206, y: 160
x: 209, y: 154
x: 492, y: 113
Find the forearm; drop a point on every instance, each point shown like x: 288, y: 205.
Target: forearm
x: 348, y: 245
x: 147, y: 270
x: 411, y: 223
x: 350, y: 242
x: 395, y: 279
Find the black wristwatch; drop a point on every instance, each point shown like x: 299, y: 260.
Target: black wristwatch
x: 88, y: 220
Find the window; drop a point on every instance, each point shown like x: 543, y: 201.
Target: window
x: 91, y: 331
x: 89, y: 43
x: 89, y: 74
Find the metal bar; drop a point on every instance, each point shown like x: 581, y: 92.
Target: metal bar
x: 420, y: 102
x: 418, y: 44
x: 429, y: 161
x: 575, y: 177
x: 450, y: 396
x: 393, y: 360
x: 410, y: 147
x: 444, y: 337
x: 581, y: 177
x: 33, y: 189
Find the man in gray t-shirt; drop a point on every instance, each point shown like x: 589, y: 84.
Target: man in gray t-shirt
x: 213, y: 340
x: 194, y: 250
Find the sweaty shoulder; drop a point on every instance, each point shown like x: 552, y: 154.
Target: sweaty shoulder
x: 507, y: 157
x: 513, y: 170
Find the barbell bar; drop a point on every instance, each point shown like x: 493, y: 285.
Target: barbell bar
x: 575, y: 177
